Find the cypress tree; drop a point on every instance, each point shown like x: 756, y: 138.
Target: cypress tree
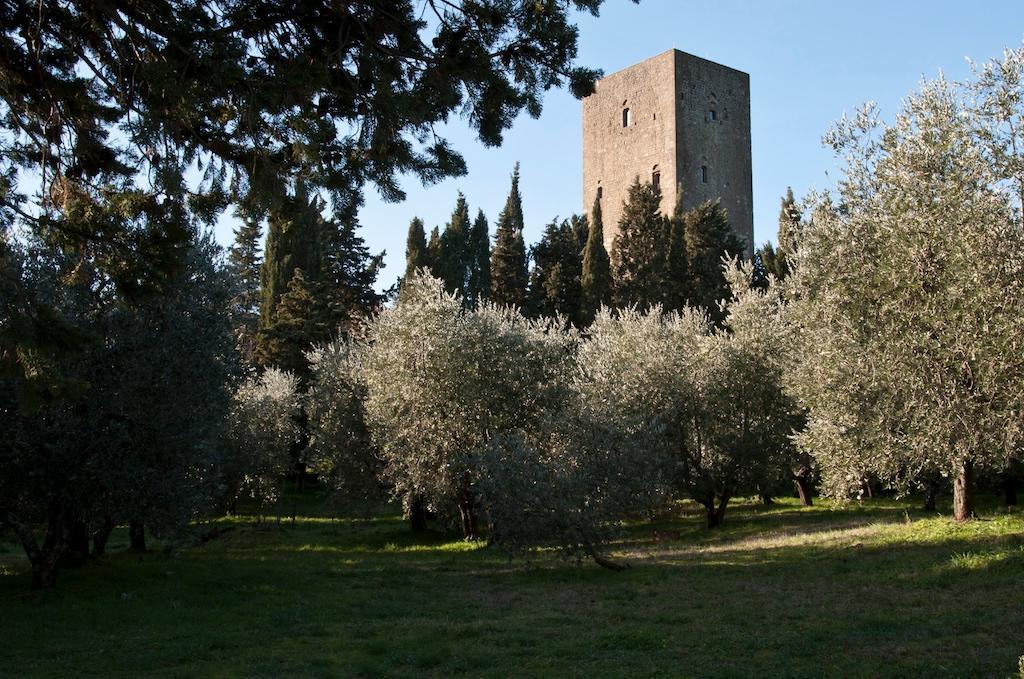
x: 293, y: 242
x: 434, y: 252
x: 301, y: 320
x: 417, y: 255
x: 479, y: 279
x: 708, y: 239
x: 676, y: 282
x: 348, y: 273
x: 768, y: 260
x: 789, y: 226
x: 455, y: 248
x: 244, y: 264
x: 596, y: 277
x: 555, y: 278
x: 638, y: 259
x: 777, y: 260
x: 509, y: 274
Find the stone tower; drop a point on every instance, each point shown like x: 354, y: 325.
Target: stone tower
x: 679, y: 121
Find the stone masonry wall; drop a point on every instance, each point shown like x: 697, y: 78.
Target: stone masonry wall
x: 719, y: 141
x: 613, y: 155
x: 671, y: 131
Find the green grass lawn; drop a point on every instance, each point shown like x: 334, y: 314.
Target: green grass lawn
x: 872, y: 590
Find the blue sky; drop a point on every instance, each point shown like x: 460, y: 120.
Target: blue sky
x: 809, y: 62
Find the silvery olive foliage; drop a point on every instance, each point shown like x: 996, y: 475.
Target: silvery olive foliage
x: 750, y: 413
x: 340, y: 452
x: 443, y: 382
x: 566, y: 483
x: 637, y: 374
x: 263, y: 428
x: 705, y: 409
x: 908, y: 292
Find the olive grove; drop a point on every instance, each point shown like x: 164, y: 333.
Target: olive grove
x: 908, y: 294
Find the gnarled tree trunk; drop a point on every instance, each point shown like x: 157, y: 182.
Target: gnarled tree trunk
x: 716, y: 514
x: 601, y: 560
x: 45, y: 559
x: 963, y: 492
x: 803, y: 489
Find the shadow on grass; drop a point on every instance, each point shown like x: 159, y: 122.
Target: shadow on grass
x: 778, y: 591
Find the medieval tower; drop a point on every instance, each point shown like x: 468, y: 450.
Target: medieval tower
x: 678, y: 121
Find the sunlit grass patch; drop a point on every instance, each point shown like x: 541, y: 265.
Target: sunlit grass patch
x: 881, y: 587
x: 974, y: 561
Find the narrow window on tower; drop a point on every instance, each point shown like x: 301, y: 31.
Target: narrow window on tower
x: 703, y: 174
x: 712, y: 116
x: 656, y: 177
x: 625, y: 117
x: 600, y: 192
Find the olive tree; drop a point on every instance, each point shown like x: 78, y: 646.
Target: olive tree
x: 442, y: 382
x: 134, y: 437
x: 908, y: 302
x: 263, y: 428
x: 750, y: 415
x: 340, y: 451
x: 705, y: 408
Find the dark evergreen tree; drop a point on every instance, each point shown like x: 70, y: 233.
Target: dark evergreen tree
x: 294, y: 234
x: 579, y: 225
x: 337, y: 271
x: 434, y: 252
x: 454, y: 256
x: 348, y: 274
x: 676, y: 283
x: 478, y: 285
x: 776, y: 260
x: 708, y: 239
x: 509, y: 273
x: 244, y: 265
x: 416, y: 254
x: 768, y: 260
x: 557, y: 268
x: 596, y: 276
x: 302, y: 319
x: 638, y: 258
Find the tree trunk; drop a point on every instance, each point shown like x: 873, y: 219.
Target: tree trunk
x: 137, y: 536
x: 767, y: 500
x: 963, y: 492
x: 46, y: 559
x: 467, y: 512
x: 803, y: 489
x: 100, y: 538
x: 417, y: 515
x: 602, y: 561
x: 716, y: 515
x: 1010, y: 490
x: 720, y: 512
